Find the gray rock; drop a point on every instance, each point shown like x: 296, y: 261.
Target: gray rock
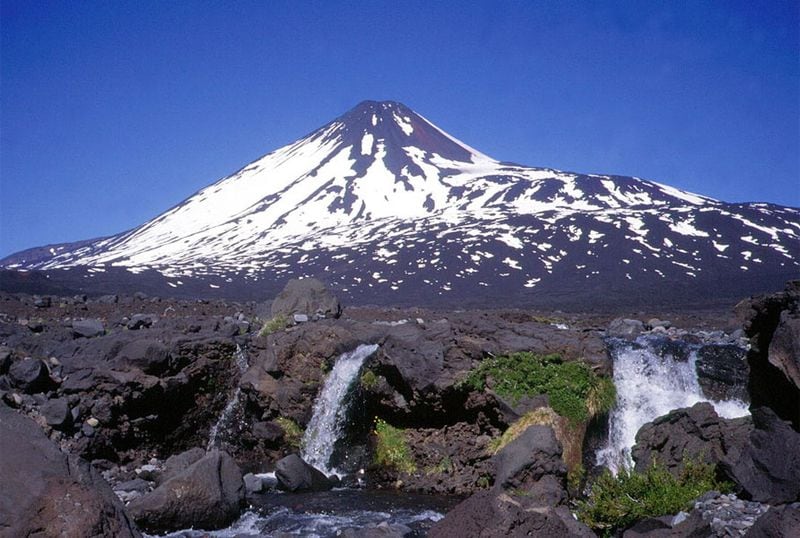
x: 307, y: 296
x: 294, y: 474
x: 57, y: 413
x: 48, y: 493
x: 30, y: 375
x: 180, y: 462
x: 208, y: 494
x: 253, y: 483
x: 150, y: 356
x: 140, y: 321
x: 5, y: 359
x: 625, y: 328
x: 87, y: 328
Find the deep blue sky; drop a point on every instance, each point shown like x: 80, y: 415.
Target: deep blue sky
x: 114, y: 111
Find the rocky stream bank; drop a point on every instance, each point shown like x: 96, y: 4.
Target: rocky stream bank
x: 186, y: 407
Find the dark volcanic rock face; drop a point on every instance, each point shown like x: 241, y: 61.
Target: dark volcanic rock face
x: 47, y: 493
x: 773, y: 324
x: 697, y: 433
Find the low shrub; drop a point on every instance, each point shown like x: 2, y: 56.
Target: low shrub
x: 392, y: 448
x: 277, y: 323
x: 369, y: 380
x: 292, y: 432
x: 615, y: 502
x: 574, y: 390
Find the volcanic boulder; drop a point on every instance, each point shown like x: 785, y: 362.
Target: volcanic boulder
x: 47, y: 493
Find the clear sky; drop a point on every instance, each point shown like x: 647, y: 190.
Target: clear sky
x: 112, y: 112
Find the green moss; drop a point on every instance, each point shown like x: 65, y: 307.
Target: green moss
x: 392, y: 448
x: 443, y: 467
x: 292, y: 432
x: 369, y: 380
x: 574, y: 390
x: 615, y: 502
x: 277, y: 323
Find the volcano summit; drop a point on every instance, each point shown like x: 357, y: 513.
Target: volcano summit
x: 390, y: 209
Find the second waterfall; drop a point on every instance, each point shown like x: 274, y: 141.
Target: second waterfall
x: 329, y: 419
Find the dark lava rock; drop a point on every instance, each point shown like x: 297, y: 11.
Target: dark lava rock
x: 5, y: 359
x: 150, y: 356
x: 696, y: 432
x: 772, y: 322
x: 57, y: 413
x: 269, y: 432
x: 722, y: 372
x: 768, y: 468
x: 180, y: 462
x: 87, y: 328
x: 294, y: 474
x: 47, y: 493
x: 140, y: 321
x: 307, y: 296
x: 779, y: 521
x: 489, y: 514
x: 30, y: 375
x: 528, y: 459
x: 42, y: 302
x: 207, y: 494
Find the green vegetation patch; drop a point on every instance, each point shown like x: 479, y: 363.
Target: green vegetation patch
x: 392, y: 449
x: 277, y: 323
x: 615, y: 502
x: 369, y: 380
x: 574, y: 390
x: 292, y: 432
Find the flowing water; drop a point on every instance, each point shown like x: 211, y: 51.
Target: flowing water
x: 330, y: 409
x: 240, y: 358
x: 650, y: 383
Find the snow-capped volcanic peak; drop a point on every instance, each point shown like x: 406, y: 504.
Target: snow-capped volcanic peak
x: 389, y: 202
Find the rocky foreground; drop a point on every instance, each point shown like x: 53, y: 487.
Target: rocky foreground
x: 137, y: 386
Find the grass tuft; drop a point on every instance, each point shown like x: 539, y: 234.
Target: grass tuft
x: 392, y: 449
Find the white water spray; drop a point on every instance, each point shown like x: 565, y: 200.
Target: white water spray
x: 648, y: 386
x: 330, y: 409
x: 240, y: 357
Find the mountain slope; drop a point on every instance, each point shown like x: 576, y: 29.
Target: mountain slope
x: 389, y: 208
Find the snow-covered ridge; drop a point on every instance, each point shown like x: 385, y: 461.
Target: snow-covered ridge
x: 383, y: 184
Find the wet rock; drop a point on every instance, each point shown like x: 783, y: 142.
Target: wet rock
x: 253, y: 483
x: 696, y: 432
x: 381, y: 530
x: 57, y: 413
x: 30, y: 375
x: 625, y: 328
x: 269, y: 432
x: 207, y: 494
x: 767, y: 469
x: 294, y: 474
x: 47, y: 493
x: 87, y: 328
x: 723, y: 372
x: 307, y: 296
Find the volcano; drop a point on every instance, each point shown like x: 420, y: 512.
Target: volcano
x: 389, y: 209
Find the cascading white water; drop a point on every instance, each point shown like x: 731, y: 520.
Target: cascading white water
x: 650, y: 385
x: 240, y: 358
x: 330, y: 409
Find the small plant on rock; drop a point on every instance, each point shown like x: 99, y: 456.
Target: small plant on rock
x: 392, y: 449
x: 277, y: 323
x: 369, y: 380
x: 292, y: 432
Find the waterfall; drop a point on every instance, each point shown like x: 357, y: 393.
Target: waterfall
x: 650, y: 384
x: 330, y: 409
x: 240, y: 358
